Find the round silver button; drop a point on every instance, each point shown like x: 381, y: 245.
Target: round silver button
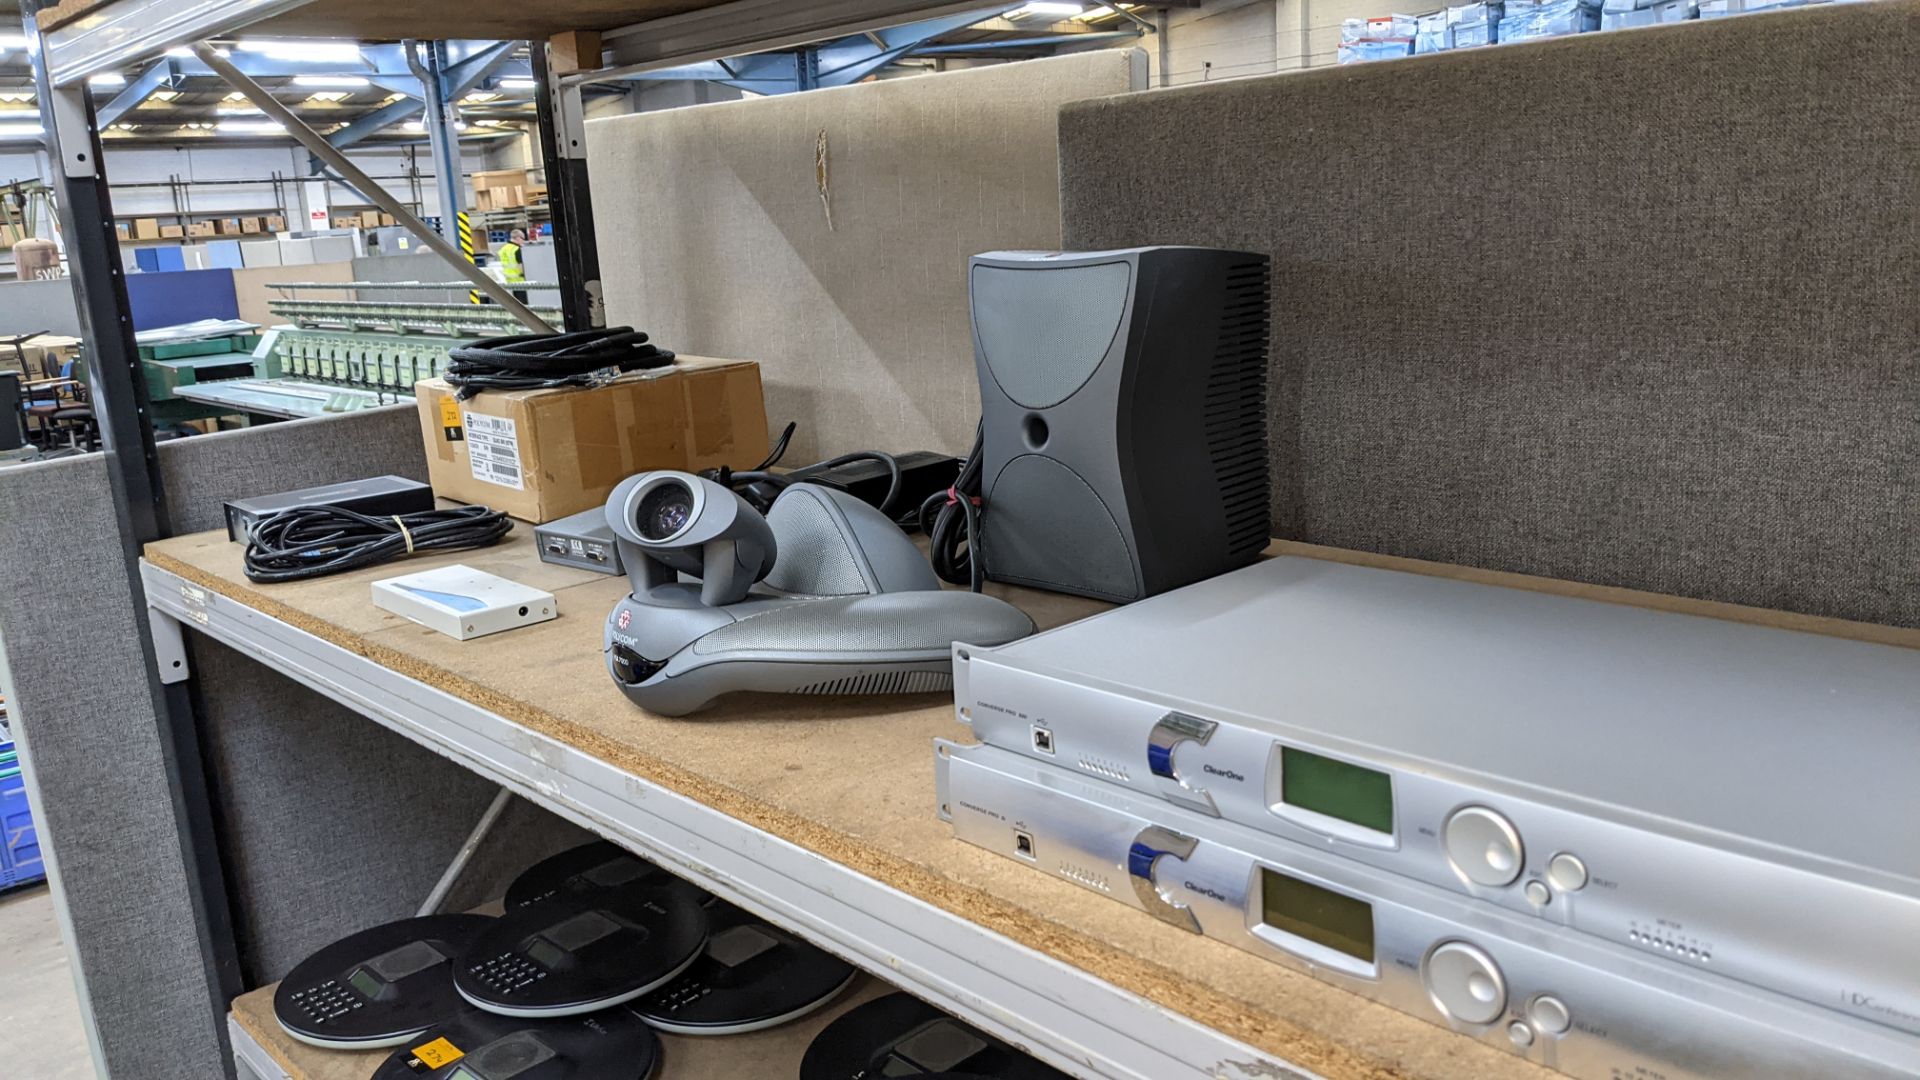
x: 1538, y: 894
x: 1567, y: 872
x: 1550, y: 1014
x: 1483, y: 846
x: 1520, y: 1033
x: 1465, y: 984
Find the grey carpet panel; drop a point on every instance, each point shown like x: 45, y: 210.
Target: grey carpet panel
x: 87, y: 730
x: 1630, y: 308
x: 85, y: 720
x: 333, y: 823
x: 715, y: 236
x: 203, y: 473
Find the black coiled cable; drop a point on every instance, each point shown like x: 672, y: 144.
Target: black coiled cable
x: 314, y: 541
x: 951, y: 520
x: 540, y: 361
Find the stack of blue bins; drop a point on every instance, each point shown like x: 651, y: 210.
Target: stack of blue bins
x: 1623, y: 14
x: 19, y: 841
x: 1526, y: 20
x: 1383, y: 38
x: 1472, y: 25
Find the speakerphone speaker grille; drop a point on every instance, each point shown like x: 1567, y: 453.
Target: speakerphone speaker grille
x: 1236, y: 408
x: 884, y: 682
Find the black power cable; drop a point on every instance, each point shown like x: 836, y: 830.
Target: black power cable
x: 951, y: 520
x: 760, y: 487
x: 539, y: 361
x: 314, y: 541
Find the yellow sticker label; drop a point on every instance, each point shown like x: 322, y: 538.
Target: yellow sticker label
x: 450, y: 420
x: 437, y: 1053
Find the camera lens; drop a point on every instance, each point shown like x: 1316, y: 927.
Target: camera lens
x: 664, y: 511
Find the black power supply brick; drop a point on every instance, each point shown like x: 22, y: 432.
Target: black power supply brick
x: 922, y: 473
x: 377, y: 496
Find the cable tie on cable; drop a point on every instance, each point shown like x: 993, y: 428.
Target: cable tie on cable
x: 404, y: 533
x: 953, y: 497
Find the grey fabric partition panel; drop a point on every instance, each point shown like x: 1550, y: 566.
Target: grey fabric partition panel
x: 332, y: 823
x: 1635, y: 308
x: 716, y: 236
x: 203, y: 473
x: 328, y: 821
x: 84, y: 719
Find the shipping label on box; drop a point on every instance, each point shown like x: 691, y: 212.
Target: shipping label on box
x: 541, y: 455
x: 493, y: 449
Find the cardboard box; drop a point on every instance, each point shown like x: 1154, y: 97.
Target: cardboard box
x: 250, y: 225
x: 369, y: 219
x: 541, y: 455
x: 44, y: 355
x: 200, y: 228
x: 123, y: 231
x: 388, y: 220
x: 146, y: 228
x: 276, y: 223
x: 173, y: 232
x: 227, y: 226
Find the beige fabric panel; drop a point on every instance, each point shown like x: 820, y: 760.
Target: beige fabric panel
x: 714, y: 236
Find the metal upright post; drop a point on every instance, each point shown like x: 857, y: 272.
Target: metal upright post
x: 441, y: 118
x: 563, y: 151
x: 118, y: 386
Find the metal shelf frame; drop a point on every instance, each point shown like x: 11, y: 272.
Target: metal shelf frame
x: 1067, y: 1016
x: 1072, y: 1019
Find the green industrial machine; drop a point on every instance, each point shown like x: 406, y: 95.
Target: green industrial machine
x: 340, y: 355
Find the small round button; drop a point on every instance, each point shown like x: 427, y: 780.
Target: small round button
x: 1465, y: 984
x: 1550, y: 1014
x: 1567, y: 872
x: 1483, y: 846
x: 1520, y: 1033
x: 1538, y: 894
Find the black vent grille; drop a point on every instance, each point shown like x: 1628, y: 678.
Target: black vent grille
x: 1236, y: 408
x: 884, y: 682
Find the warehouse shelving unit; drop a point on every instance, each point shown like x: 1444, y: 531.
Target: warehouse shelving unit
x: 1043, y: 997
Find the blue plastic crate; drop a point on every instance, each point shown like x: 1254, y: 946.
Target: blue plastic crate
x: 20, y: 861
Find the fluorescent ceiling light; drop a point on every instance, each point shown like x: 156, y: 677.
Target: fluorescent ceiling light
x: 479, y: 96
x: 283, y: 49
x: 250, y: 127
x: 17, y: 95
x: 326, y: 97
x: 237, y: 110
x: 110, y: 79
x: 343, y: 82
x: 417, y: 126
x: 13, y: 41
x: 21, y: 131
x: 1047, y: 7
x: 515, y: 84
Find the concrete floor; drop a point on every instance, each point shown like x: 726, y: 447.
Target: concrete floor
x: 39, y: 1011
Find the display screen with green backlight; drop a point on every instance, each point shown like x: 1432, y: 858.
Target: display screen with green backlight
x: 363, y: 981
x: 1336, y: 789
x: 1319, y: 915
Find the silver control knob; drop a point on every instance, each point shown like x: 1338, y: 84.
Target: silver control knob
x: 1550, y: 1014
x: 1464, y: 983
x: 1567, y: 872
x: 1483, y: 846
x: 1520, y: 1033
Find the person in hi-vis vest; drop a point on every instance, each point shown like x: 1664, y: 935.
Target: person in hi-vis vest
x: 513, y: 271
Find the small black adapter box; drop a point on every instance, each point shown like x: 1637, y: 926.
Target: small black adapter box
x: 377, y: 496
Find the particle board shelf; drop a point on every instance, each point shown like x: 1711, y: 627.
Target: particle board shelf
x: 817, y: 813
x: 773, y: 1054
